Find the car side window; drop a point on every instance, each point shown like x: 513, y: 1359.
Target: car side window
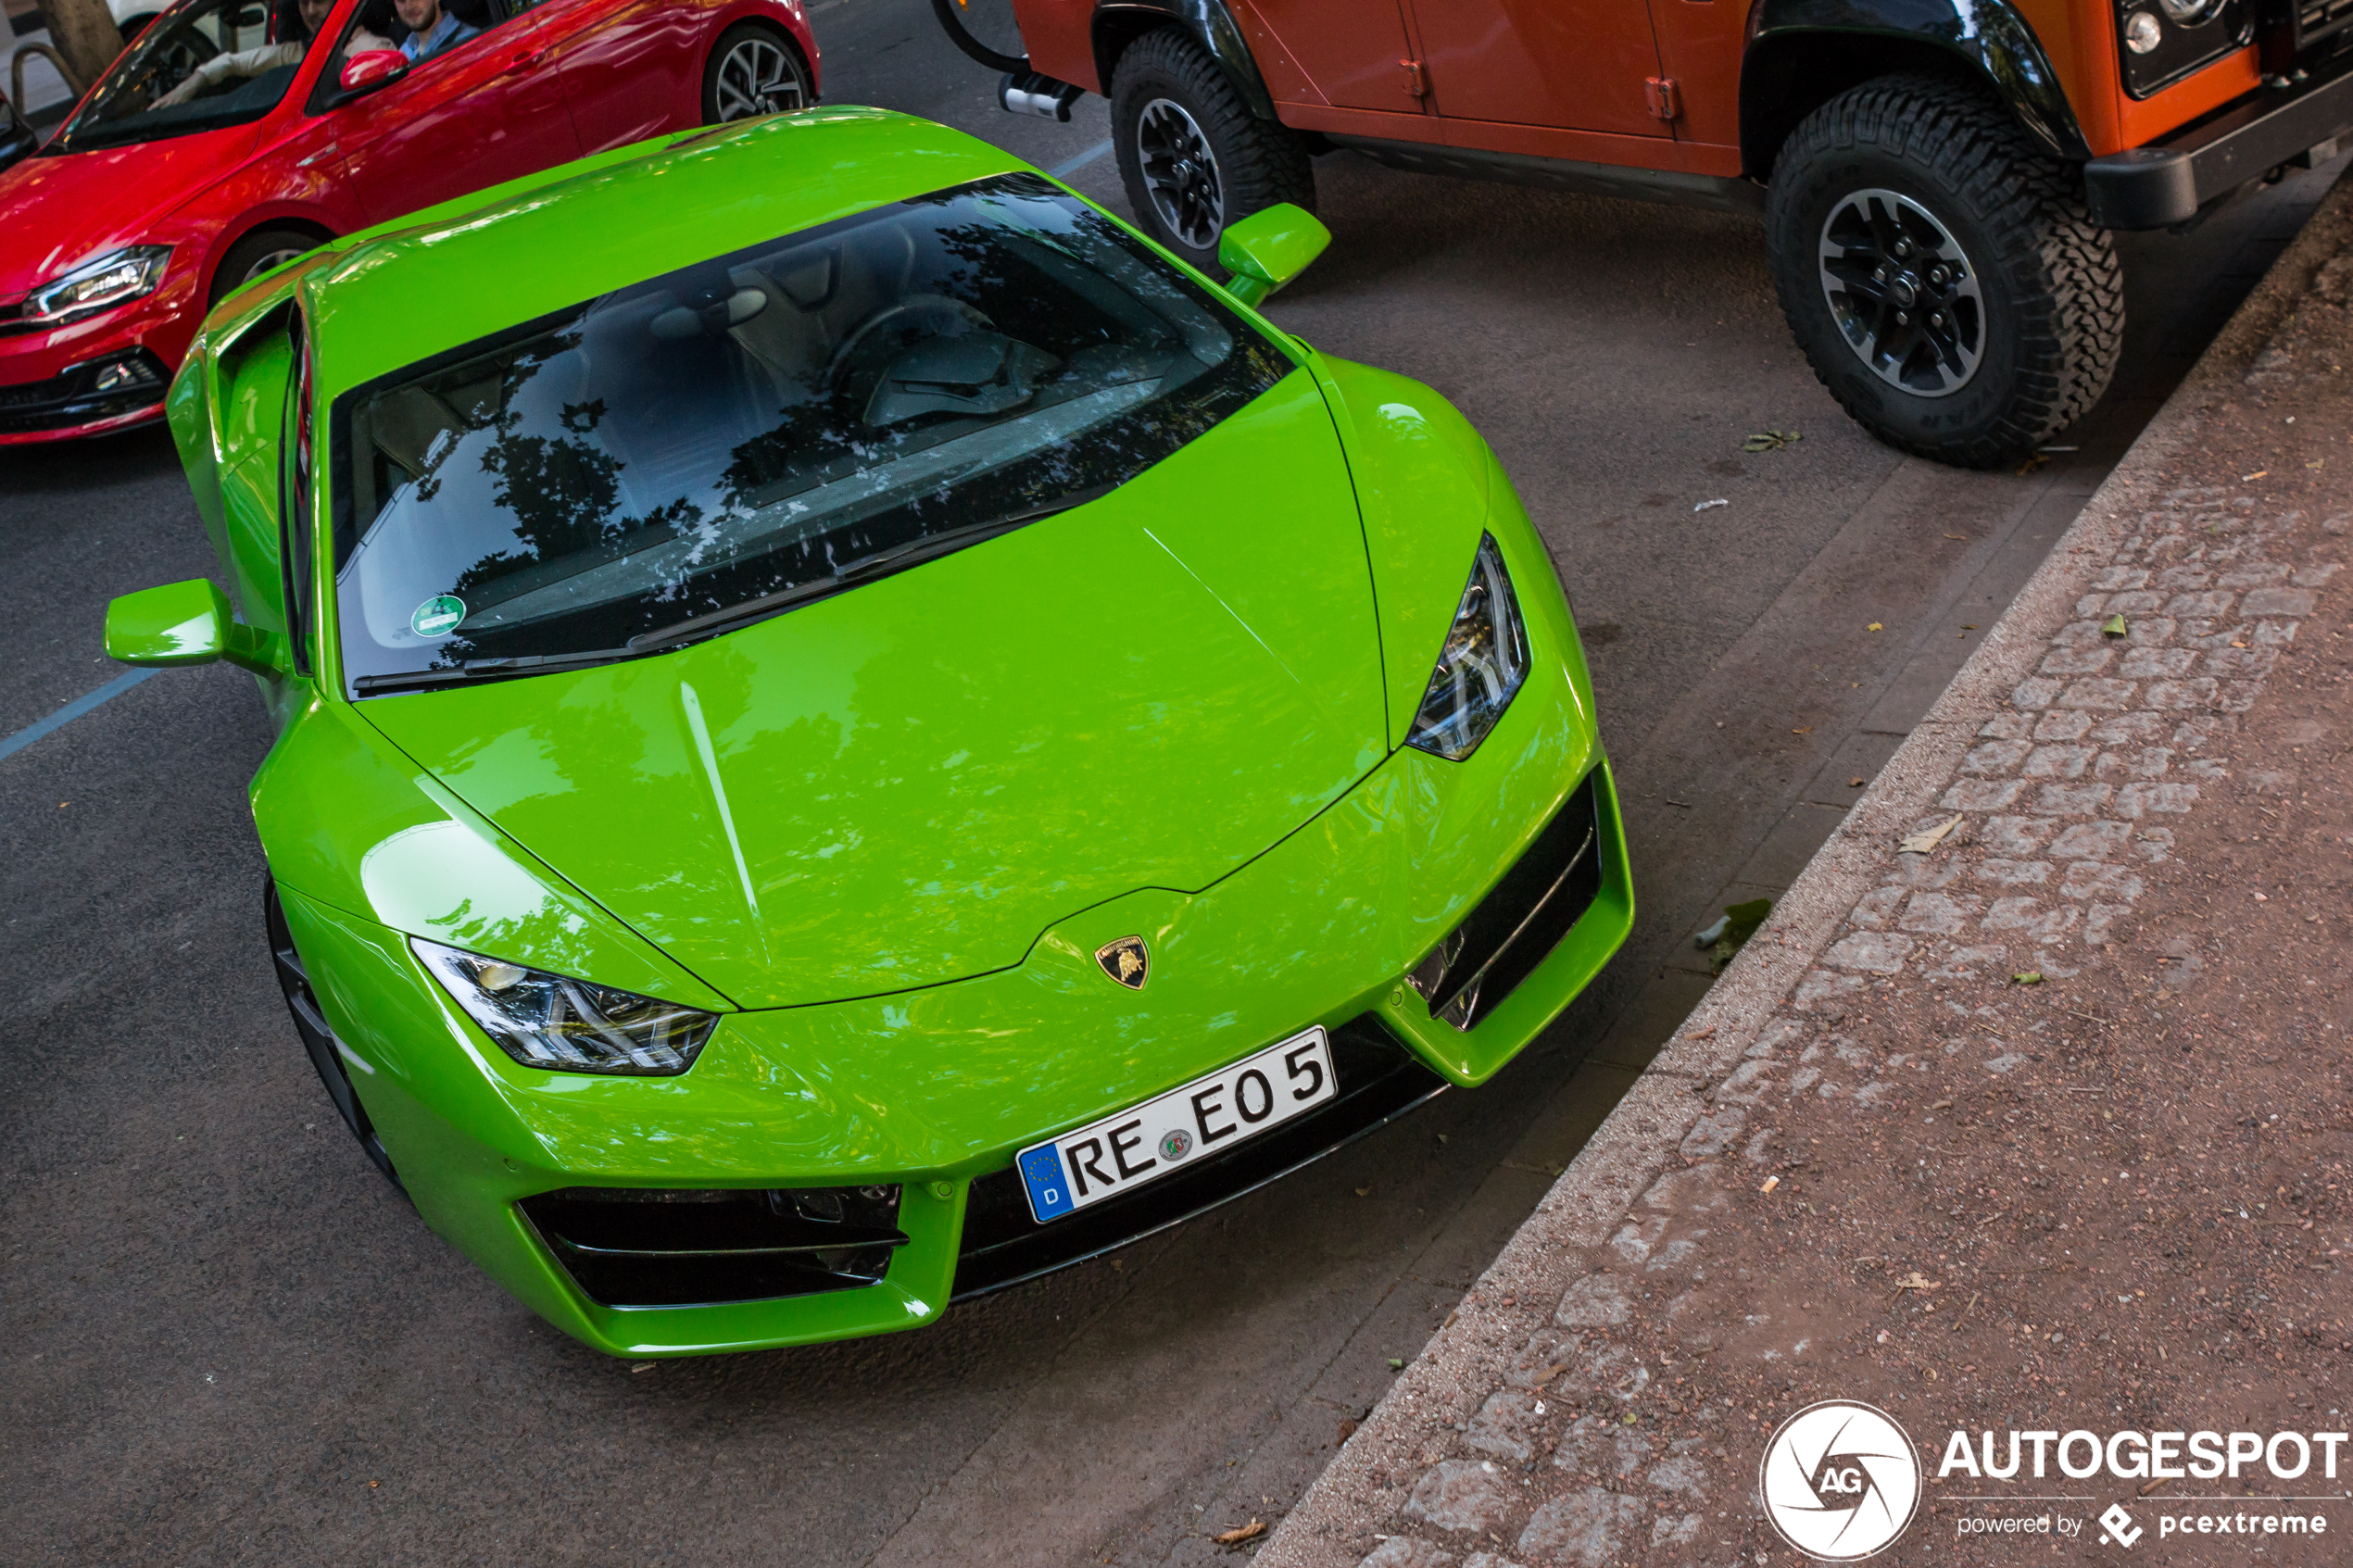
x: 389, y: 24
x: 295, y: 506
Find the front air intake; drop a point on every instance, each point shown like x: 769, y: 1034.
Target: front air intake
x: 649, y: 1247
x: 1506, y: 935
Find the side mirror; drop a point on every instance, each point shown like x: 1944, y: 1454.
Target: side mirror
x: 184, y: 623
x: 1269, y: 248
x: 372, y: 69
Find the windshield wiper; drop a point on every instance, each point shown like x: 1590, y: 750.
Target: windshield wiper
x: 486, y: 669
x: 852, y: 572
x: 847, y: 575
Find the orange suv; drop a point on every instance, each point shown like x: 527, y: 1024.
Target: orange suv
x: 1937, y: 178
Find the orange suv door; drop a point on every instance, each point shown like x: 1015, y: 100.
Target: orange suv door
x: 1352, y: 54
x: 1575, y: 65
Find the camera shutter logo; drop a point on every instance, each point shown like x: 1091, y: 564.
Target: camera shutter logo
x: 1840, y: 1480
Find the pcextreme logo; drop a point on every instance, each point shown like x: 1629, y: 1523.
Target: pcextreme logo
x: 1840, y: 1480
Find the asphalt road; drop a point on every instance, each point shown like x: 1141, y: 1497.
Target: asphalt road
x: 223, y: 1339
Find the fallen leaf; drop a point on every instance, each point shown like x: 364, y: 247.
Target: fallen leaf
x: 1806, y: 731
x: 643, y: 1366
x: 1548, y: 1373
x: 2258, y: 473
x: 1241, y: 1533
x: 1363, y: 1192
x: 1854, y: 783
x: 1700, y: 1034
x: 2034, y: 976
x: 1960, y: 536
x: 2114, y: 627
x: 1872, y: 627
x: 1397, y: 1363
x: 1770, y: 440
x: 1710, y: 506
x: 1926, y: 839
x: 1770, y: 1182
x: 1347, y: 1428
x: 1914, y: 1281
x: 2036, y: 461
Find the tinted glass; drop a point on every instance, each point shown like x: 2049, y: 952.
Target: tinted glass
x: 128, y: 107
x: 778, y: 421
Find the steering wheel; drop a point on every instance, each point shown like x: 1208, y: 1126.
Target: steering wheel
x: 177, y: 60
x: 948, y: 312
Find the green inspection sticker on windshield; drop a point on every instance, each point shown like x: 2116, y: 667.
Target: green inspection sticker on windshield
x: 438, y: 616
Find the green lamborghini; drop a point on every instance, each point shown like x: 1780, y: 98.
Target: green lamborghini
x: 851, y: 731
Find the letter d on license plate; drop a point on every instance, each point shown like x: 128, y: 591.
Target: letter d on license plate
x: 1182, y: 1127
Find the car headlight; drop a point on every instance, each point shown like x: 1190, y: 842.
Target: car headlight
x: 568, y: 1025
x: 1482, y: 666
x: 114, y: 278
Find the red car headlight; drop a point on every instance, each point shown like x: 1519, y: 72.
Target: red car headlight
x: 114, y: 278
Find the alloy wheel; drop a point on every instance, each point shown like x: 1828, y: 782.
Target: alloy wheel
x: 1903, y: 293
x: 1180, y: 174
x: 271, y: 262
x: 758, y: 77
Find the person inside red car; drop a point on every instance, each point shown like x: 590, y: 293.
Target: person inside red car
x: 431, y: 28
x: 298, y: 23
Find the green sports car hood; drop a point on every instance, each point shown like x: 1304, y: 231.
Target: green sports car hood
x: 908, y: 783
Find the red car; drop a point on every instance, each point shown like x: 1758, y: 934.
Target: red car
x: 226, y: 141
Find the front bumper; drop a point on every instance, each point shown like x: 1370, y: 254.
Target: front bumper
x: 50, y: 377
x: 2165, y: 183
x: 112, y: 392
x: 932, y: 1092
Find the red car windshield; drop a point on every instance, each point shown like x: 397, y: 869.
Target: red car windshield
x: 199, y: 67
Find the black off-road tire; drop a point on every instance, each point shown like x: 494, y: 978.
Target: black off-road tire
x: 2053, y: 298
x: 1255, y: 163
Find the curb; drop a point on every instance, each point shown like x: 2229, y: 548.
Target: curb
x: 1474, y: 1353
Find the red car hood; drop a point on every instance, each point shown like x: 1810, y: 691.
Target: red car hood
x: 63, y: 211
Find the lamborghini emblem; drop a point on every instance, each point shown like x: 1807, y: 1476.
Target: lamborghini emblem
x: 1125, y: 961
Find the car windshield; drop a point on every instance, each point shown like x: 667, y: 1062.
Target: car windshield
x: 160, y: 86
x: 764, y: 429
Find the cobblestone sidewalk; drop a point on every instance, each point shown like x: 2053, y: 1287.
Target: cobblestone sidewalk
x: 1886, y: 1086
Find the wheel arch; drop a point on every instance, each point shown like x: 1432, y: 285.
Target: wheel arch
x: 254, y: 222
x: 803, y: 50
x: 1118, y: 24
x: 1801, y: 54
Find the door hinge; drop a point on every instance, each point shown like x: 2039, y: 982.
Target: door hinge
x: 1417, y: 79
x: 1664, y: 97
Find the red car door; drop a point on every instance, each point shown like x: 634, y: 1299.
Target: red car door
x: 490, y: 109
x: 633, y: 69
x: 1577, y: 65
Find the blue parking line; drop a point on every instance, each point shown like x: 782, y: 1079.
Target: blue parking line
x: 71, y: 711
x: 1064, y: 171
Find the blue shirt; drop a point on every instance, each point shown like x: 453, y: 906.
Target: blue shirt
x: 445, y: 33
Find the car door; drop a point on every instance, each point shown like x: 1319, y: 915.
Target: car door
x: 1573, y: 65
x: 1353, y: 53
x: 490, y: 109
x: 633, y: 69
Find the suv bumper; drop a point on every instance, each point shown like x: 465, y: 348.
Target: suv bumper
x: 2167, y: 181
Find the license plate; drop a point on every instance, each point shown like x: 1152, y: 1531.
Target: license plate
x: 1184, y: 1127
